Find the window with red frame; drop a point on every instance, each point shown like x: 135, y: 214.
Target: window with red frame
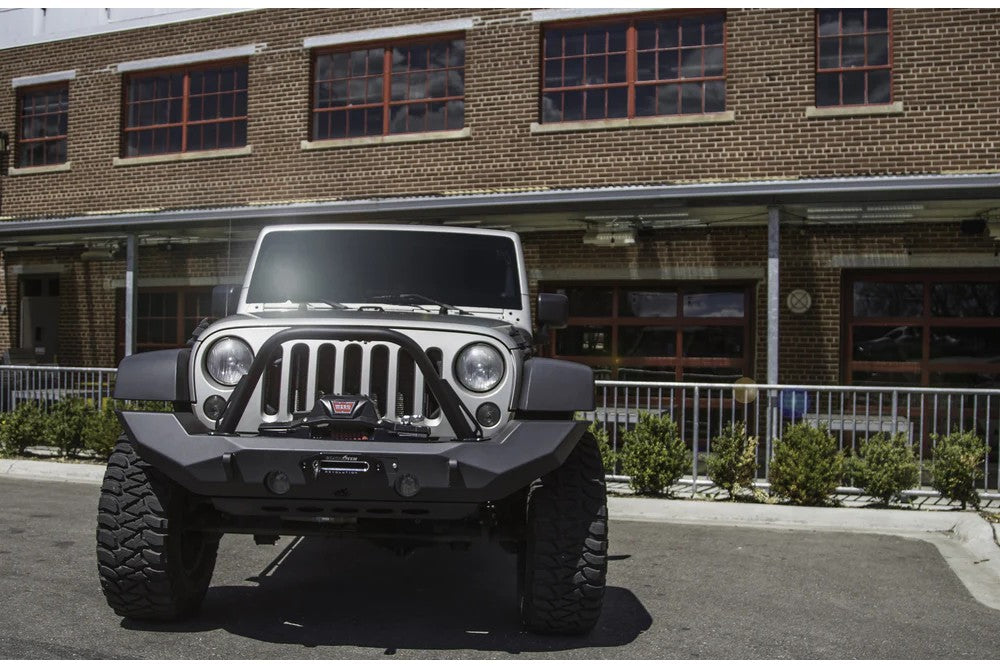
x: 165, y: 316
x: 42, y: 130
x: 395, y: 89
x: 642, y: 67
x: 853, y: 57
x: 194, y: 109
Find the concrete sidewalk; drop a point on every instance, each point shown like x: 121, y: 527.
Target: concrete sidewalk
x: 967, y: 542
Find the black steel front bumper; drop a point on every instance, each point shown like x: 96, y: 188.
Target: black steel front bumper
x: 232, y: 469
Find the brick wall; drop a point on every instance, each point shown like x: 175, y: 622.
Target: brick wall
x: 947, y: 74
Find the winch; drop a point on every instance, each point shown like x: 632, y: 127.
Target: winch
x: 345, y: 417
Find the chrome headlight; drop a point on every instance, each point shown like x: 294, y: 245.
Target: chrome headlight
x: 228, y: 360
x: 479, y: 367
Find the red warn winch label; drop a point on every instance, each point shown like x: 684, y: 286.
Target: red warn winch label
x: 343, y: 407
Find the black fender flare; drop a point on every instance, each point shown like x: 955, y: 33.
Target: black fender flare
x: 161, y: 375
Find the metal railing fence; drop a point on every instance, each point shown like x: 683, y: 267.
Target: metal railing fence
x: 46, y: 385
x: 851, y: 413
x: 701, y: 410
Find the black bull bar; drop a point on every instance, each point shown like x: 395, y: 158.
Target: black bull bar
x: 444, y: 394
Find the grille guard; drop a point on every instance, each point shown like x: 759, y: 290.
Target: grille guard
x: 451, y: 406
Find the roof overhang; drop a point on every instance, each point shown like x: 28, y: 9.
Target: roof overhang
x: 609, y: 201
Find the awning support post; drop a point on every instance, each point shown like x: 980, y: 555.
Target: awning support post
x: 130, y: 310
x: 773, y: 310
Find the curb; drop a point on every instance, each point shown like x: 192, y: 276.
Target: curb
x: 85, y: 473
x: 965, y: 540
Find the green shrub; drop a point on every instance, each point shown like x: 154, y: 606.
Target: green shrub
x: 101, y: 429
x: 21, y: 428
x: 653, y: 454
x: 807, y: 465
x: 958, y: 465
x: 608, y: 455
x: 733, y: 461
x: 885, y: 466
x: 63, y: 425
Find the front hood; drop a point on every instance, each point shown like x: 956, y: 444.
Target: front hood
x: 511, y: 336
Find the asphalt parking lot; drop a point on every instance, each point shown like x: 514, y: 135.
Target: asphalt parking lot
x: 674, y: 591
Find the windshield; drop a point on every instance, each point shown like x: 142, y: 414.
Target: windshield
x: 381, y: 266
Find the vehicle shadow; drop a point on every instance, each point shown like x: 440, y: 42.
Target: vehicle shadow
x: 326, y: 592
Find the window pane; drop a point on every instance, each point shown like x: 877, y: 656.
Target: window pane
x: 888, y: 299
x: 456, y: 114
x: 827, y: 90
x: 553, y: 43
x: 553, y: 73
x: 573, y: 105
x: 596, y: 40
x: 646, y: 35
x: 713, y: 342
x: 595, y: 70
x: 713, y: 61
x: 854, y: 20
x: 456, y: 53
x: 588, y: 301
x: 715, y: 96
x: 668, y: 33
x: 647, y: 374
x: 714, y: 304
x: 646, y: 66
x: 645, y: 100
x: 584, y: 341
x: 829, y: 53
x: 878, y: 19
x: 667, y: 99
x: 854, y: 87
x: 668, y: 65
x: 972, y: 379
x: 691, y: 98
x: 879, y: 86
x: 713, y: 30
x: 965, y: 299
x: 435, y: 116
x: 616, y: 69
x: 573, y: 72
x: 691, y: 32
x: 961, y: 344
x: 655, y: 341
x: 573, y: 41
x: 712, y: 374
x: 885, y: 378
x: 617, y: 102
x: 595, y: 104
x: 551, y: 107
x: 852, y: 51
x: 829, y: 22
x: 888, y: 343
x: 878, y: 49
x: 691, y: 62
x: 647, y: 303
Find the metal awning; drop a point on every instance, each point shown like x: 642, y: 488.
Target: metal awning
x: 719, y: 203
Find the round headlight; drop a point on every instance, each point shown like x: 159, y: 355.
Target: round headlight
x: 228, y: 360
x: 479, y: 367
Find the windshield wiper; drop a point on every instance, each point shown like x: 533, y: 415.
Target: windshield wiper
x: 416, y: 300
x: 333, y: 304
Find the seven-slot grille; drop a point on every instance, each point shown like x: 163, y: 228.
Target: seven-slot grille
x: 301, y: 371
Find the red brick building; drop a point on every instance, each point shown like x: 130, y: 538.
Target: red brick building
x: 695, y: 181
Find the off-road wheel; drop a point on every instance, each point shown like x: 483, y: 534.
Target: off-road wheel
x: 149, y: 565
x: 564, y: 559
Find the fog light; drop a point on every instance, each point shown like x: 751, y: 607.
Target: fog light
x: 407, y: 485
x: 488, y: 414
x: 277, y: 482
x: 214, y: 406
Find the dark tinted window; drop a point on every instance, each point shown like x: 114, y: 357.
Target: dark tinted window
x: 357, y: 266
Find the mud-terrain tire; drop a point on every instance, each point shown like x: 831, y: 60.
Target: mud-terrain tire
x: 566, y: 545
x: 150, y: 567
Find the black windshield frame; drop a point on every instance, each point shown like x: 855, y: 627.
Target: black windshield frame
x: 359, y: 265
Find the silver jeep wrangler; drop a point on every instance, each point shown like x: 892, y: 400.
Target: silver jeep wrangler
x: 365, y: 380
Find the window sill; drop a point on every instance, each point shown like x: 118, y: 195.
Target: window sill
x: 446, y: 135
x: 861, y: 110
x: 47, y: 169
x: 183, y: 157
x: 619, y: 123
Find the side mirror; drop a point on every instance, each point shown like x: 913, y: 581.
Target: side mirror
x: 553, y: 311
x: 225, y: 298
